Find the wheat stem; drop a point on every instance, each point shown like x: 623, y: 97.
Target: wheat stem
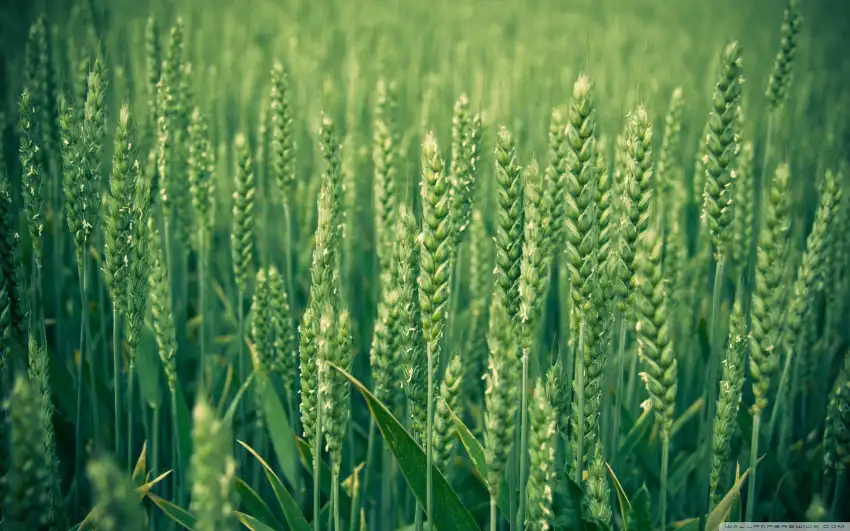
x: 751, y: 487
x: 77, y: 431
x: 130, y: 395
x: 430, y: 436
x: 202, y: 286
x: 287, y: 251
x: 367, y: 469
x: 665, y: 460
x: 178, y: 454
x: 523, y: 445
x: 317, y: 455
x: 240, y: 339
x: 116, y: 368
x: 335, y: 500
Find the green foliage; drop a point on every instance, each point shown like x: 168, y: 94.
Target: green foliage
x: 289, y: 157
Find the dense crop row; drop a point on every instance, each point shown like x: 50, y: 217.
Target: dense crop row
x: 294, y: 266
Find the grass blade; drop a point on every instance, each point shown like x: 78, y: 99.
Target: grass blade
x: 412, y: 462
x: 177, y: 514
x: 279, y: 428
x: 256, y: 506
x: 290, y: 509
x: 476, y: 453
x: 252, y: 523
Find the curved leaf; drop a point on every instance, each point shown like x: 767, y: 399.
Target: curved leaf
x: 252, y: 523
x: 184, y: 426
x: 721, y: 512
x: 622, y: 498
x: 479, y: 461
x: 290, y: 509
x: 451, y: 513
x: 258, y: 508
x: 279, y: 428
x: 641, y: 519
x: 177, y: 514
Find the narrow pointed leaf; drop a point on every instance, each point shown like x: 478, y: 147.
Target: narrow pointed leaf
x: 290, y: 509
x: 279, y: 428
x: 622, y: 498
x: 476, y: 454
x: 252, y: 523
x: 251, y: 501
x: 451, y: 513
x: 721, y: 512
x: 175, y: 513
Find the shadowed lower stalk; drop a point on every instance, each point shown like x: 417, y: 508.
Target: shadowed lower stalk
x: 715, y: 333
x: 317, y: 455
x: 287, y: 249
x: 665, y: 461
x: 335, y: 500
x: 84, y: 323
x: 202, y: 286
x: 131, y: 372
x: 523, y: 445
x: 116, y: 369
x: 751, y: 482
x: 430, y: 442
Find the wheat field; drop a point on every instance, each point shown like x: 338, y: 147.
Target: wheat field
x: 389, y: 265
